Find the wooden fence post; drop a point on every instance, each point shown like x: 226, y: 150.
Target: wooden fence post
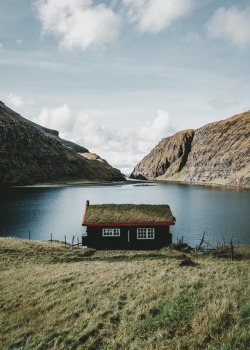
x: 202, y: 240
x: 29, y: 235
x: 51, y: 238
x: 232, y: 251
x: 65, y: 240
x: 72, y: 245
x: 78, y: 242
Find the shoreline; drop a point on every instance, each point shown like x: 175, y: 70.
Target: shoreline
x: 86, y: 183
x: 135, y: 182
x: 207, y: 185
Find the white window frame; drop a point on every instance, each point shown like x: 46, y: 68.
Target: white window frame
x: 145, y: 233
x: 111, y: 232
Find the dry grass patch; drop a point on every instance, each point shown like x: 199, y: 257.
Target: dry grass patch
x: 129, y: 213
x: 113, y: 300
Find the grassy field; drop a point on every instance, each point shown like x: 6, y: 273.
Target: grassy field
x: 55, y: 299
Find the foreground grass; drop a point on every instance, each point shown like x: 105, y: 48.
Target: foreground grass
x: 54, y: 299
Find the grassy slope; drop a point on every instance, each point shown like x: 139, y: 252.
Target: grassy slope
x: 54, y: 299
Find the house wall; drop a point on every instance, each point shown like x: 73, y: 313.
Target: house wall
x: 127, y: 239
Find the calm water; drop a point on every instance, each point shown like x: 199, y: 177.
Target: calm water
x: 223, y: 214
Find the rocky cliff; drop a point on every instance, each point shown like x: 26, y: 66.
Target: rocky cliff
x: 218, y: 153
x: 32, y: 154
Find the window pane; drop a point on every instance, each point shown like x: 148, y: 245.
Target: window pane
x: 111, y: 232
x: 145, y: 233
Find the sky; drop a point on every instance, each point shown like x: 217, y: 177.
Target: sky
x: 118, y: 76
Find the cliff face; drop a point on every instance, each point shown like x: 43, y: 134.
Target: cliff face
x: 167, y: 158
x: 30, y: 154
x: 217, y: 153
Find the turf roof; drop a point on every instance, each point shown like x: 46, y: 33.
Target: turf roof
x: 127, y: 213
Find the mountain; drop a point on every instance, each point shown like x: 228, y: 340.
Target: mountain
x: 30, y: 153
x: 217, y: 153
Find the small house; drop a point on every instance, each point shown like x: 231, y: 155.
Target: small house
x: 127, y: 226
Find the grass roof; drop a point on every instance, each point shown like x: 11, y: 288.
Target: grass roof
x: 127, y: 213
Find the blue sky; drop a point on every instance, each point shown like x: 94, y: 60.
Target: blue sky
x: 118, y: 76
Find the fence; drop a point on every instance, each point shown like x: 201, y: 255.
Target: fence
x: 231, y: 249
x: 51, y: 239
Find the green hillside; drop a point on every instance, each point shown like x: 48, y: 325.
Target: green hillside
x: 31, y: 154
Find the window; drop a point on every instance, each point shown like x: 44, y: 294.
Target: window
x: 145, y: 233
x: 111, y: 232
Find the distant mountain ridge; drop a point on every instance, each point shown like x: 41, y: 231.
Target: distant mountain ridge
x: 217, y: 153
x: 30, y: 153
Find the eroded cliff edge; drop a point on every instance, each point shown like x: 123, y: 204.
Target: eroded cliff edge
x: 32, y: 154
x: 217, y: 153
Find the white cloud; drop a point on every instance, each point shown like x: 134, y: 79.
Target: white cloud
x: 155, y: 15
x: 1, y: 46
x: 121, y: 147
x: 86, y: 131
x: 232, y: 24
x: 59, y: 119
x: 78, y: 23
x: 124, y: 161
x: 155, y: 130
x: 14, y: 100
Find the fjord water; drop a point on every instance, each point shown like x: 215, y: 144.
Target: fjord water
x: 222, y: 213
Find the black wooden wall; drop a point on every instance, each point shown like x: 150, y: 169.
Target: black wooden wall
x: 127, y: 239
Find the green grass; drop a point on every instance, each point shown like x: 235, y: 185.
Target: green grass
x: 54, y: 299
